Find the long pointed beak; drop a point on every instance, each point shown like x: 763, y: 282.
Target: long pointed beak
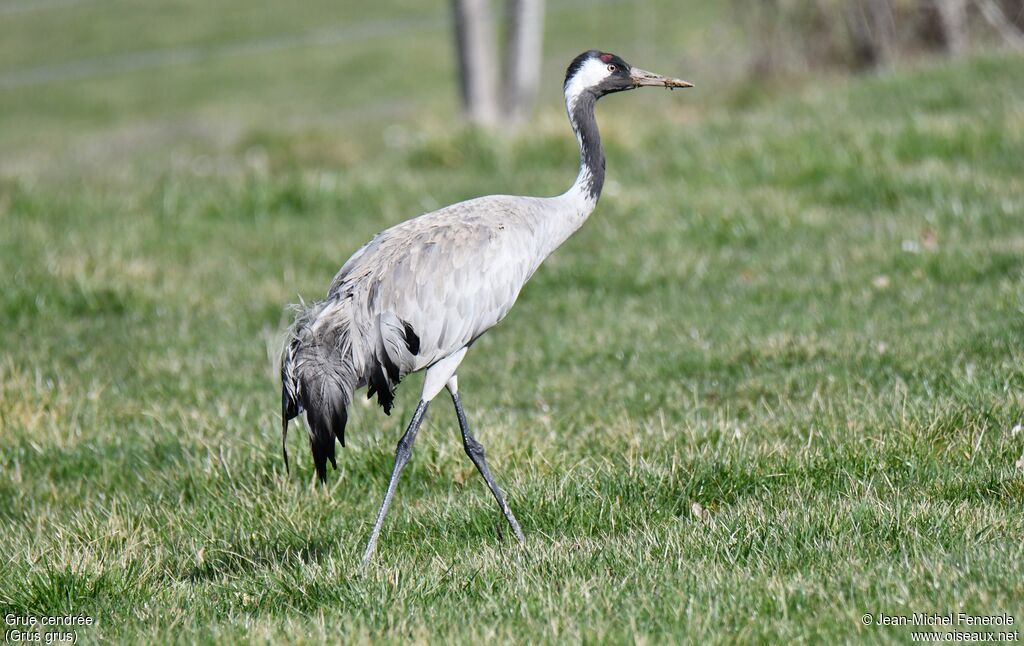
x: 643, y: 78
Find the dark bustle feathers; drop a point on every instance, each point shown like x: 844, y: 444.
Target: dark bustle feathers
x: 317, y: 376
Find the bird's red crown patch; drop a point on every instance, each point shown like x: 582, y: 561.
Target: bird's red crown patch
x: 607, y: 58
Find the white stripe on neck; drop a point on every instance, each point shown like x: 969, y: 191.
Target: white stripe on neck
x: 592, y: 72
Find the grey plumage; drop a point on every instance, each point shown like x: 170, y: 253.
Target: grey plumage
x: 420, y: 293
x: 415, y: 294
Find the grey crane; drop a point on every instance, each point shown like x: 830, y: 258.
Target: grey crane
x: 419, y: 294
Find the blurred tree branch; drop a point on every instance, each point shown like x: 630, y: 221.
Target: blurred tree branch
x: 866, y: 34
x: 1006, y: 28
x: 476, y: 48
x: 474, y: 44
x: 523, y: 46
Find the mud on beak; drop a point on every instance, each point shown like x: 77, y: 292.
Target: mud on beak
x: 643, y: 78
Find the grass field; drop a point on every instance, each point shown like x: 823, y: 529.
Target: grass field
x: 799, y: 308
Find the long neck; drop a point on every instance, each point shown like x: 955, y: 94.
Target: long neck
x: 570, y: 210
x: 566, y: 213
x: 591, y: 177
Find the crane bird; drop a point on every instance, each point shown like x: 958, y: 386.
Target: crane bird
x: 419, y: 294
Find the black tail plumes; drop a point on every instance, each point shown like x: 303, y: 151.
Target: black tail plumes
x: 318, y: 377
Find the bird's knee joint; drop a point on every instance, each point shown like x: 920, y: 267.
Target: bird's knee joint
x: 403, y: 450
x: 474, y: 449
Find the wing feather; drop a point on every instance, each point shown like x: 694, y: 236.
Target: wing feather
x: 447, y: 276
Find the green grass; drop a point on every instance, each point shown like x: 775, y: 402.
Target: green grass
x: 805, y: 315
x: 382, y: 62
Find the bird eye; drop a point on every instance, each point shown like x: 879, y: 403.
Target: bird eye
x: 612, y: 68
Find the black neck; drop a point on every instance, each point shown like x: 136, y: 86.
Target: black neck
x: 591, y: 154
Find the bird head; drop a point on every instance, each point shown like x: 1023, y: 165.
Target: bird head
x: 601, y: 73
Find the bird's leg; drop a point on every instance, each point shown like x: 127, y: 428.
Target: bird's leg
x: 475, y: 451
x: 402, y: 455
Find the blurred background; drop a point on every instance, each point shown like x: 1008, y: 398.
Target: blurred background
x: 105, y: 81
x: 98, y: 83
